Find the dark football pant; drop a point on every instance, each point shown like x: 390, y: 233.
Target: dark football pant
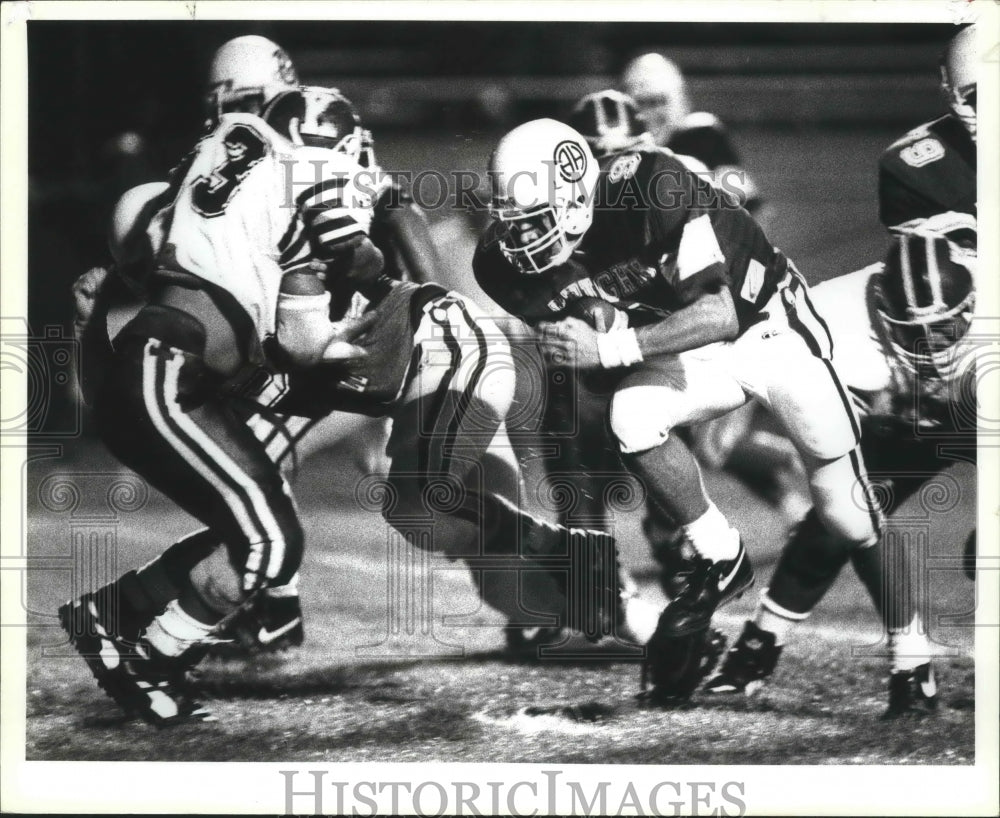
x: 812, y: 559
x: 160, y: 413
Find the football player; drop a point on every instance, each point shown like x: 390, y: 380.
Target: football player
x: 660, y: 92
x: 712, y: 316
x: 932, y: 169
x: 765, y: 462
x: 245, y: 74
x: 900, y: 333
x: 168, y: 405
x: 430, y: 360
x: 927, y: 187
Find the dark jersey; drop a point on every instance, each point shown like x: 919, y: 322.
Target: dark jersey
x: 931, y: 170
x: 661, y: 238
x: 704, y: 137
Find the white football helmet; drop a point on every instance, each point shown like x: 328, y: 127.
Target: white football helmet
x: 609, y: 121
x: 657, y: 86
x: 958, y: 77
x: 544, y: 178
x: 246, y: 74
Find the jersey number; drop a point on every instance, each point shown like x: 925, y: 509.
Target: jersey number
x: 244, y: 148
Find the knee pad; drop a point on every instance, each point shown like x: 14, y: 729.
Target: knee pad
x: 634, y: 425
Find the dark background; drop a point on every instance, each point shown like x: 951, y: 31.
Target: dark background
x: 810, y: 106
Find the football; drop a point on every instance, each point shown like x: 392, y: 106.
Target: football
x: 598, y: 313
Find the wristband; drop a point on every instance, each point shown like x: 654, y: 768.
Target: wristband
x: 617, y: 348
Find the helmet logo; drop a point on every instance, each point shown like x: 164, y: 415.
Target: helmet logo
x: 570, y: 160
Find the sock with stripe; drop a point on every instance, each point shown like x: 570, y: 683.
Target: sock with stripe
x: 773, y: 618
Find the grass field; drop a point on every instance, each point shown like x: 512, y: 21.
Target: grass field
x: 334, y: 700
x: 462, y: 699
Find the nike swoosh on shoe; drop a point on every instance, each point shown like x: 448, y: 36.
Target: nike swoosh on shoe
x: 265, y: 637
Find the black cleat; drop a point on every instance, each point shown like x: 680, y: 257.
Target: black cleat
x: 96, y: 642
x: 701, y: 587
x: 749, y: 662
x: 154, y: 688
x: 675, y: 666
x: 269, y: 625
x: 136, y: 678
x: 912, y: 692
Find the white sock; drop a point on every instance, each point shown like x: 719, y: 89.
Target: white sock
x: 175, y: 630
x: 712, y: 536
x: 909, y: 646
x: 641, y: 618
x: 771, y: 617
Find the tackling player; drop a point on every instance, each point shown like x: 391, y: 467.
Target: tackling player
x: 716, y: 317
x: 927, y: 191
x: 245, y: 74
x: 900, y: 333
x: 429, y: 360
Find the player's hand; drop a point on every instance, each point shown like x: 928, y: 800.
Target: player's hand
x: 570, y: 342
x: 85, y: 290
x: 341, y: 346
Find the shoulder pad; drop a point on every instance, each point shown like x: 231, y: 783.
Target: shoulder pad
x: 692, y: 163
x: 914, y: 134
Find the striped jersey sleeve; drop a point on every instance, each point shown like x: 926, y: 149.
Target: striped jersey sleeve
x: 331, y: 211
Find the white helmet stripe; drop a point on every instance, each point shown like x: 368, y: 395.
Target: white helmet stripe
x: 906, y: 273
x: 933, y: 274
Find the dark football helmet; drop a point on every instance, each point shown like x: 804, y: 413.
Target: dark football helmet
x: 319, y: 118
x: 924, y: 299
x: 609, y: 121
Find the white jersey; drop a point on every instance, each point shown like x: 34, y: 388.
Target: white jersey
x: 250, y: 206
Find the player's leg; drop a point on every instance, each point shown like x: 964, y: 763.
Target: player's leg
x: 713, y: 567
x: 157, y: 414
x: 782, y: 363
x: 663, y: 394
x: 447, y: 430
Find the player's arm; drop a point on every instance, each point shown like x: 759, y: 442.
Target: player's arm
x: 405, y: 228
x: 710, y: 318
x: 92, y: 296
x: 337, y: 217
x: 303, y: 328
